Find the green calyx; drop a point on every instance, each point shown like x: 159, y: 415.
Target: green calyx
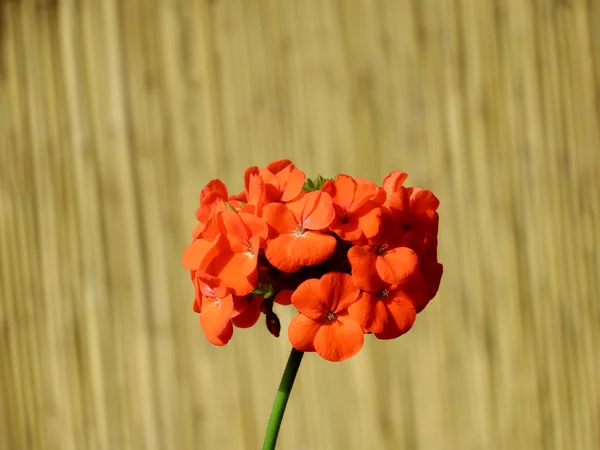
x: 265, y: 290
x: 316, y: 184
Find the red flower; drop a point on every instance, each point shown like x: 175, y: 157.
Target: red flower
x: 296, y: 237
x: 219, y: 306
x: 393, y: 265
x: 356, y: 207
x: 351, y: 256
x: 242, y: 236
x: 280, y: 181
x: 324, y: 324
x: 384, y: 309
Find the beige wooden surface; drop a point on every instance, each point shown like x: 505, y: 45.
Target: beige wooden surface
x: 115, y: 113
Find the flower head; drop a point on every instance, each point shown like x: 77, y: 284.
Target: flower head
x: 352, y: 257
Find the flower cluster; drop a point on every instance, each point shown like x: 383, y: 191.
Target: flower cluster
x: 352, y: 257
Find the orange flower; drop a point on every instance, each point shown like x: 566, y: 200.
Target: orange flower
x: 296, y: 239
x: 283, y: 181
x: 280, y: 181
x: 414, y: 210
x: 356, y: 207
x: 217, y: 309
x: 235, y: 263
x: 383, y: 309
x: 353, y: 257
x: 213, y: 199
x: 324, y: 324
x: 393, y: 265
x: 393, y: 182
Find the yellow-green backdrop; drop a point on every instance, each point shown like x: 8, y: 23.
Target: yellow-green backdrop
x: 115, y: 113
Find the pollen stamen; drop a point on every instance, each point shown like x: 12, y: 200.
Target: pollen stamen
x: 330, y: 316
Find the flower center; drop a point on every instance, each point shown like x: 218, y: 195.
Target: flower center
x: 344, y: 218
x: 330, y: 316
x: 299, y: 231
x: 384, y: 293
x: 249, y: 250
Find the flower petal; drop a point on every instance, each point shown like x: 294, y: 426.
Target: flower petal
x: 339, y: 340
x: 233, y: 229
x: 369, y: 312
x: 221, y: 339
x: 284, y: 297
x: 237, y: 270
x: 363, y: 194
x: 319, y: 212
x: 255, y: 225
x: 199, y: 253
x: 396, y: 265
x: 215, y: 315
x: 271, y: 185
x: 310, y: 300
x: 250, y: 315
x: 290, y: 252
x: 302, y: 331
x: 401, y: 318
x: 210, y: 286
x: 369, y: 220
x: 277, y: 166
x: 293, y: 185
x: 240, y: 304
x: 348, y: 229
x: 339, y: 290
x: 344, y: 188
x: 363, y: 260
x: 212, y: 186
x: 422, y: 201
x: 279, y: 218
x: 394, y: 181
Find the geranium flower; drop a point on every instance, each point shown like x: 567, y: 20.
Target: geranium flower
x: 235, y: 263
x: 414, y: 210
x: 285, y: 236
x: 218, y: 307
x: 393, y: 263
x: 356, y: 207
x: 280, y: 181
x: 386, y: 310
x: 296, y: 238
x: 324, y: 324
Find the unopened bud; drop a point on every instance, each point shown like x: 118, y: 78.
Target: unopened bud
x: 273, y: 324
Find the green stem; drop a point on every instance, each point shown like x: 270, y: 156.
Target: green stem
x: 281, y: 399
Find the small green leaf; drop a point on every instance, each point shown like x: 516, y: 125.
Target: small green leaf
x: 264, y: 289
x: 309, y: 185
x: 270, y: 292
x: 314, y: 185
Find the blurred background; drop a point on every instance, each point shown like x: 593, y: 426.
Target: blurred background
x: 113, y: 116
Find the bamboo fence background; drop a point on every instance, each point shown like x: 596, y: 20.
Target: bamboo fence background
x: 113, y: 116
